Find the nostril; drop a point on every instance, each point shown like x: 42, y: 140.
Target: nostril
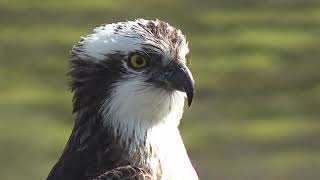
x: 173, y: 66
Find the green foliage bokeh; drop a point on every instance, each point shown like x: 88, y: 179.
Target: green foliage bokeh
x: 256, y: 63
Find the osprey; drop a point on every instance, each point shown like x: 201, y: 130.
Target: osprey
x: 129, y: 81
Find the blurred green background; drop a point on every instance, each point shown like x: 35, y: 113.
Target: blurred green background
x: 256, y: 63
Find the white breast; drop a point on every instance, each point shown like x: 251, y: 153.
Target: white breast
x: 170, y: 150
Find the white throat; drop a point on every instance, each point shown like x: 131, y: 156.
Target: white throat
x: 133, y: 108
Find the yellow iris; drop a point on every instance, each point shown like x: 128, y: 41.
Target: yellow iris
x: 138, y: 61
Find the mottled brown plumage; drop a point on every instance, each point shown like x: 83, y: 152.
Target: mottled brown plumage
x: 125, y: 173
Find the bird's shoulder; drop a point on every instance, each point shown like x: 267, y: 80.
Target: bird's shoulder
x: 89, y: 153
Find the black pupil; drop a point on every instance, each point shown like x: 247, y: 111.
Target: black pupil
x: 139, y: 60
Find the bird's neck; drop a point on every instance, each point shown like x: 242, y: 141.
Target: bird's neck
x: 144, y: 121
x: 159, y: 149
x: 148, y: 127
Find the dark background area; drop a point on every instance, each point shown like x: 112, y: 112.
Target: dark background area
x: 256, y: 63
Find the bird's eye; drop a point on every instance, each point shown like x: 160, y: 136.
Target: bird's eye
x: 137, y: 61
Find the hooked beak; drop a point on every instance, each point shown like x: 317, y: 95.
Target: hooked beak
x: 177, y: 76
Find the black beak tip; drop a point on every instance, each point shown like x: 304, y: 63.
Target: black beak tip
x: 190, y: 97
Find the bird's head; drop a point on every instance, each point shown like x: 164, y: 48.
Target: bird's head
x: 134, y: 71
